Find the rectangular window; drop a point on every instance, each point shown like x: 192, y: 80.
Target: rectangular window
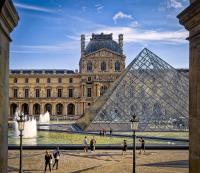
x: 89, y: 92
x: 37, y: 93
x: 15, y: 92
x: 37, y: 80
x: 59, y: 92
x: 70, y: 80
x: 70, y: 92
x: 48, y: 93
x: 59, y: 80
x: 26, y: 93
x: 26, y: 80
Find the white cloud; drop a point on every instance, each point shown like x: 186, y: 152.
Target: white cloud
x: 174, y: 4
x: 34, y: 8
x: 145, y: 36
x: 121, y: 15
x: 99, y: 7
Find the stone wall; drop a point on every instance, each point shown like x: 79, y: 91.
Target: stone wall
x: 190, y: 18
x: 8, y: 20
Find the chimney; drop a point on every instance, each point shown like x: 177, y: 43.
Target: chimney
x: 82, y: 44
x: 121, y: 42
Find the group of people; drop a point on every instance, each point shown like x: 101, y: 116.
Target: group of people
x: 92, y: 144
x: 142, y: 148
x: 103, y: 132
x: 49, y: 159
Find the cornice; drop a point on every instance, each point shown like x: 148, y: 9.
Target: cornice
x: 190, y: 17
x: 8, y: 18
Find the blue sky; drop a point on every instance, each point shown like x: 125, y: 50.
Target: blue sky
x: 48, y: 33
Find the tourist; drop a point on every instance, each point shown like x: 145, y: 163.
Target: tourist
x: 56, y: 155
x: 141, y: 140
x: 110, y: 131
x: 48, y: 161
x: 124, y: 147
x: 85, y: 144
x: 100, y: 133
x: 92, y: 144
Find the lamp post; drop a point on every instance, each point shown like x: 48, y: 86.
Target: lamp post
x: 134, y: 126
x: 21, y: 122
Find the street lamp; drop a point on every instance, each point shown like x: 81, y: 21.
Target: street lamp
x: 134, y: 127
x: 21, y: 122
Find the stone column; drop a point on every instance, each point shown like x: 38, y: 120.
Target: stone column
x: 8, y: 20
x: 190, y: 18
x: 31, y: 109
x: 64, y: 109
x: 54, y: 109
x: 42, y: 108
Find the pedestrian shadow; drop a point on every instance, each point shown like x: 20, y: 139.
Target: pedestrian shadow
x: 92, y: 156
x: 86, y: 169
x: 33, y: 170
x: 175, y: 164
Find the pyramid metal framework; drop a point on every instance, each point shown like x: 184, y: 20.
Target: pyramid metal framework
x: 150, y: 88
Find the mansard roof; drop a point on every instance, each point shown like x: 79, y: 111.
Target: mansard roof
x: 100, y: 41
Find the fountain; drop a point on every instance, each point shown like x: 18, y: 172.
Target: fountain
x: 30, y: 126
x: 44, y: 118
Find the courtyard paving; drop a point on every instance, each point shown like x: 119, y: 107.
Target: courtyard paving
x: 103, y: 161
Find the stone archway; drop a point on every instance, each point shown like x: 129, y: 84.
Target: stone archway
x: 71, y: 109
x: 36, y: 109
x: 13, y: 108
x: 48, y: 107
x: 25, y: 109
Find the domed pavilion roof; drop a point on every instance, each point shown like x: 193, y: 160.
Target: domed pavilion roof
x: 100, y: 41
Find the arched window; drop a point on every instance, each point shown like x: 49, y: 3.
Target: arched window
x: 71, y: 109
x: 36, y: 109
x: 13, y: 108
x: 25, y: 109
x: 89, y: 66
x: 48, y: 108
x: 103, y: 66
x: 59, y: 109
x: 117, y: 66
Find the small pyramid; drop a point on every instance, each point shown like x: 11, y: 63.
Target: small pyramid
x: 149, y: 88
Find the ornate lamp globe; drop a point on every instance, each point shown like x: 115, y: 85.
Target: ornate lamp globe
x: 21, y: 122
x: 134, y: 122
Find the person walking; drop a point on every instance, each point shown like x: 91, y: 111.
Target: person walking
x: 48, y: 161
x: 85, y: 144
x: 124, y: 147
x: 142, y: 141
x: 92, y: 144
x: 110, y: 131
x: 56, y: 155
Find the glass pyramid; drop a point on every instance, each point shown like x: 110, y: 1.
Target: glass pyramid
x: 150, y: 88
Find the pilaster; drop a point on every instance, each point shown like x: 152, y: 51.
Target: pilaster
x: 190, y: 18
x: 8, y: 20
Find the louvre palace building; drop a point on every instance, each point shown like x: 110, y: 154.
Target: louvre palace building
x: 67, y: 93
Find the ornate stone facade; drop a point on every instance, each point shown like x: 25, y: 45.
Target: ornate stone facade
x: 65, y: 93
x: 8, y: 20
x: 190, y: 18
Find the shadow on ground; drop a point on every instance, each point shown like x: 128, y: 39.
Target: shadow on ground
x: 175, y: 164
